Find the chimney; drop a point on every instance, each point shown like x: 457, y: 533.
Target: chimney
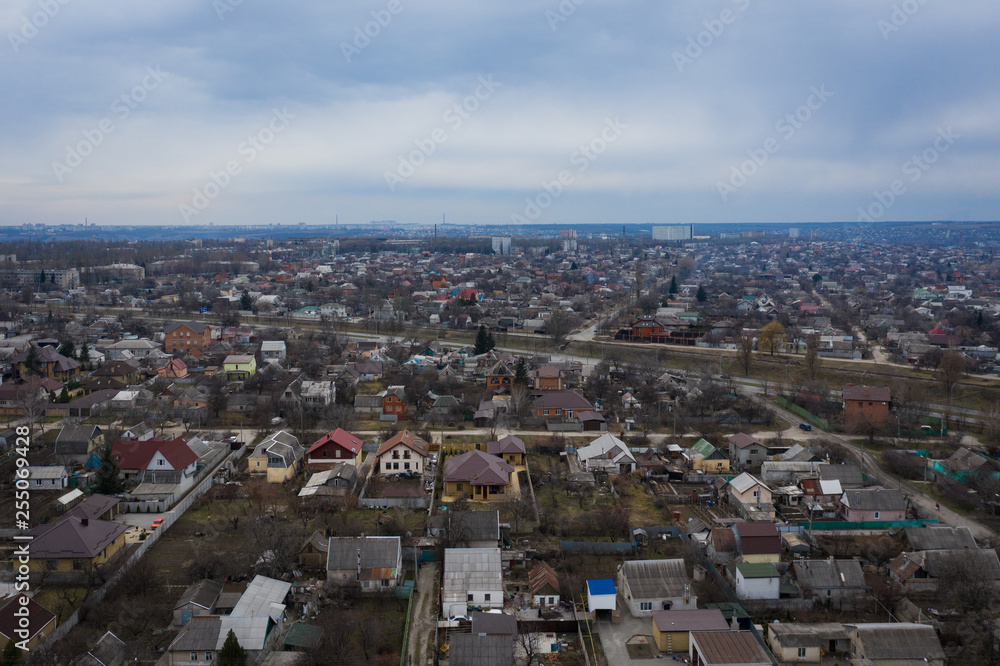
x: 866, y: 391
x: 84, y: 521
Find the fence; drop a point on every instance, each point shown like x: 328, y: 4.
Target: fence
x: 866, y: 525
x: 98, y: 595
x: 387, y: 502
x: 597, y: 547
x: 804, y: 413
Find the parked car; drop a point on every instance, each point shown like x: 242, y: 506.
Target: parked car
x: 805, y: 426
x: 157, y: 523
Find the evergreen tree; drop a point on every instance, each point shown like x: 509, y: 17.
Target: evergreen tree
x: 232, y: 653
x: 246, y: 301
x: 84, y: 353
x: 490, y: 340
x: 31, y: 363
x: 701, y: 295
x: 67, y: 349
x: 673, y: 284
x: 482, y: 344
x: 521, y: 372
x: 108, y: 482
x: 574, y: 267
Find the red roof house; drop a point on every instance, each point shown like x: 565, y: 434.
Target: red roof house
x: 335, y: 447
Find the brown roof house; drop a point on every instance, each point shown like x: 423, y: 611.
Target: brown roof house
x: 727, y: 648
x: 479, y: 476
x: 543, y: 583
x: 24, y: 621
x: 373, y: 563
x: 866, y: 403
x: 402, y: 452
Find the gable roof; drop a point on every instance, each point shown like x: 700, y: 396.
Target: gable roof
x: 606, y: 446
x: 137, y: 454
x: 874, y: 499
x: 833, y: 574
x: 379, y: 555
x: 203, y: 594
x: 939, y: 538
x: 542, y: 576
x: 701, y: 619
x: 650, y: 579
x: 341, y: 438
x: 730, y: 647
x: 562, y: 400
x: 478, y: 468
x: 897, y: 641
x: 407, y: 439
x: 745, y: 482
x: 475, y: 650
x: 509, y: 444
x: 474, y: 525
x: 741, y: 440
x: 280, y: 444
x: 870, y: 393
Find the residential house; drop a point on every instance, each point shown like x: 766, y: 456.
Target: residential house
x: 187, y: 338
x: 317, y: 393
x: 872, y: 504
x: 548, y: 378
x: 157, y: 461
x: 401, y: 452
x: 239, y: 366
x: 746, y: 452
x: 757, y: 581
x: 500, y: 376
x: 198, y: 599
x: 128, y: 349
x: 374, y: 563
x: 751, y: 496
x: 708, y: 459
x: 830, y: 579
x: 47, y: 477
x: 25, y: 622
x: 79, y: 542
x: 175, y: 368
x: 368, y: 404
x: 334, y: 447
x: 672, y: 628
x: 313, y: 553
x: 543, y: 585
x: 393, y: 403
x: 607, y: 454
x: 478, y: 476
x: 46, y: 362
x: 649, y: 585
x: 273, y: 351
x: 15, y: 397
x: 510, y: 448
x: 363, y: 371
x: 758, y: 542
x: 335, y: 481
x: 467, y: 529
x: 891, y: 644
x: 727, y: 648
x: 108, y: 651
x: 798, y: 642
x: 141, y: 431
x: 940, y: 538
x: 279, y: 457
x: 922, y: 571
x: 866, y: 404
x: 75, y: 444
x: 561, y: 406
x: 472, y: 580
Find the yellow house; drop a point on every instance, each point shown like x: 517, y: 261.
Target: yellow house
x: 510, y: 448
x: 73, y: 545
x: 708, y: 459
x: 796, y: 642
x: 21, y: 609
x: 240, y: 365
x: 479, y: 476
x: 672, y: 628
x: 279, y: 457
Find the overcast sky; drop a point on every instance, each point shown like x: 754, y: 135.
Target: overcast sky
x: 252, y: 112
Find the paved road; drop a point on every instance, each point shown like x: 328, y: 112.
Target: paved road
x: 926, y: 505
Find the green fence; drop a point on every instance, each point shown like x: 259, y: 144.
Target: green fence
x: 804, y: 413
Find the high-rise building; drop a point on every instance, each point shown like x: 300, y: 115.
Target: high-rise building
x: 673, y: 232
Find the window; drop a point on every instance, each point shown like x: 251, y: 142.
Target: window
x: 385, y: 583
x: 395, y: 465
x: 325, y: 453
x: 459, y: 486
x: 756, y: 493
x: 829, y: 593
x: 38, y: 482
x: 876, y: 515
x: 646, y: 605
x: 194, y: 656
x: 388, y: 466
x: 802, y: 653
x: 486, y: 597
x: 406, y: 454
x: 77, y: 564
x: 208, y: 656
x: 469, y: 597
x: 51, y: 565
x: 406, y: 465
x: 258, y: 463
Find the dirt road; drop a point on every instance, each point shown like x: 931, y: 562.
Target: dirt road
x: 423, y: 617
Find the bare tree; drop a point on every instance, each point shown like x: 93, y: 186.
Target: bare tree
x: 812, y: 355
x: 950, y: 371
x: 744, y: 355
x: 517, y: 507
x: 528, y: 645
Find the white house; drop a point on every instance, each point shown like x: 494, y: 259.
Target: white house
x: 272, y: 351
x: 757, y: 581
x: 473, y: 580
x: 48, y: 478
x: 608, y: 454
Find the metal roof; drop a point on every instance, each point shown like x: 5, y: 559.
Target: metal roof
x: 468, y: 569
x: 730, y: 647
x: 652, y: 579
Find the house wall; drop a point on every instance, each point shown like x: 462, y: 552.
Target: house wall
x: 748, y: 498
x: 757, y: 588
x: 474, y: 493
x: 856, y: 516
x: 415, y: 461
x: 762, y: 558
x: 335, y: 454
x: 542, y: 600
x: 790, y: 655
x: 875, y: 410
x: 671, y: 641
x: 710, y: 466
x: 65, y: 565
x: 183, y: 658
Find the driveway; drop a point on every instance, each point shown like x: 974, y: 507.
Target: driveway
x: 615, y: 636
